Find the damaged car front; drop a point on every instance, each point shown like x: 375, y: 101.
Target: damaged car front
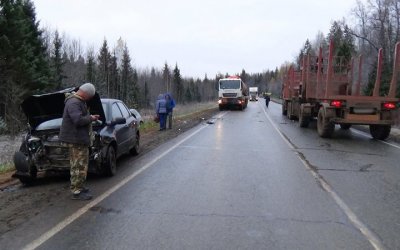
x: 41, y: 149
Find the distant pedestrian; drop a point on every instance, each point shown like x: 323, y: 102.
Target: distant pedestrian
x: 74, y: 132
x: 267, y: 100
x: 170, y: 108
x: 161, y: 110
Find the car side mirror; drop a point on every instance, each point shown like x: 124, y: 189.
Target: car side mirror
x: 118, y: 120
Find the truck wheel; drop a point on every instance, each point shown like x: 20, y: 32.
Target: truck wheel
x: 110, y: 166
x: 380, y: 132
x: 324, y: 126
x: 304, y: 120
x: 284, y: 108
x: 289, y: 113
x: 345, y: 126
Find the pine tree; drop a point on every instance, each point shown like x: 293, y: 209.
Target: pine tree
x: 179, y: 90
x: 134, y: 91
x: 103, y: 71
x: 126, y: 74
x: 58, y: 62
x: 306, y: 50
x: 243, y: 76
x: 167, y: 77
x: 146, y: 95
x: 23, y: 66
x: 90, y: 67
x: 113, y: 79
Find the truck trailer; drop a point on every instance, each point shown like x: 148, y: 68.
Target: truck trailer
x: 253, y: 93
x: 323, y: 89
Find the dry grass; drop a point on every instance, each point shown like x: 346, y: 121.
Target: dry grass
x: 180, y: 110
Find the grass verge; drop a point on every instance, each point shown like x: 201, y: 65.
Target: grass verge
x: 6, y: 167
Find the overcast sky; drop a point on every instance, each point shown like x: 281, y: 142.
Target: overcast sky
x: 203, y: 36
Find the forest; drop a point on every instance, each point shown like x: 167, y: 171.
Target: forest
x: 36, y: 59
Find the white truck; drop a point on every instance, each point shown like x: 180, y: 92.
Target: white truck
x: 253, y: 93
x: 232, y: 92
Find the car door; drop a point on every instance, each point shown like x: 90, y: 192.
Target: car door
x: 131, y: 123
x: 121, y: 131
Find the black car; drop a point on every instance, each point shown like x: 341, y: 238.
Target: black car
x: 114, y: 134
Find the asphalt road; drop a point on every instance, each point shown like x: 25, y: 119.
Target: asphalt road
x: 249, y: 180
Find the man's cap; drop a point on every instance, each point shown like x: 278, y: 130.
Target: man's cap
x: 88, y: 88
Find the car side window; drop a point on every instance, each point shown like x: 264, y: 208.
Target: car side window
x: 115, y: 111
x: 124, y: 110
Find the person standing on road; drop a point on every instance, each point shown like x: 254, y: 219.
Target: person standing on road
x: 75, y: 133
x: 170, y: 107
x: 267, y: 100
x: 161, y: 110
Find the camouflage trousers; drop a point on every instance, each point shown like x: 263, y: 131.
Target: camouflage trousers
x: 79, y: 161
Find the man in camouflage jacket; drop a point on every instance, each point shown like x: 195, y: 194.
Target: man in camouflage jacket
x: 74, y: 132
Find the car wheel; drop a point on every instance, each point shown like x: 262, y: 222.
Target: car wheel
x: 110, y: 166
x: 136, y: 148
x: 25, y: 173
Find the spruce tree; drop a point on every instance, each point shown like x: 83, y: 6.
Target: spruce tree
x: 126, y: 74
x: 103, y: 71
x: 113, y: 79
x: 167, y: 77
x: 179, y: 89
x: 58, y: 62
x: 90, y: 67
x: 146, y: 95
x: 23, y: 66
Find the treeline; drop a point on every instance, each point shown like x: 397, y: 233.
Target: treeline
x: 35, y: 60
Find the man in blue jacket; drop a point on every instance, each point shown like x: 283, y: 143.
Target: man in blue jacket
x: 75, y: 128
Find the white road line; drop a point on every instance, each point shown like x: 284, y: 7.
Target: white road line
x: 369, y: 235
x: 368, y: 136
x: 60, y: 226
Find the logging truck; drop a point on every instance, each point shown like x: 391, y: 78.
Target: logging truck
x: 323, y: 89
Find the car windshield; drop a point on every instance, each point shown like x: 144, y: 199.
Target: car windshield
x: 135, y: 112
x: 229, y: 84
x: 105, y: 109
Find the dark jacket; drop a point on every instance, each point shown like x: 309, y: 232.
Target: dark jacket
x: 76, y: 121
x: 170, y: 102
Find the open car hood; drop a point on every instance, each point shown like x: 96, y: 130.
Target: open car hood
x: 41, y: 108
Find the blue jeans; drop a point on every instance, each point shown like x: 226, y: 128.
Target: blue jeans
x: 163, y: 117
